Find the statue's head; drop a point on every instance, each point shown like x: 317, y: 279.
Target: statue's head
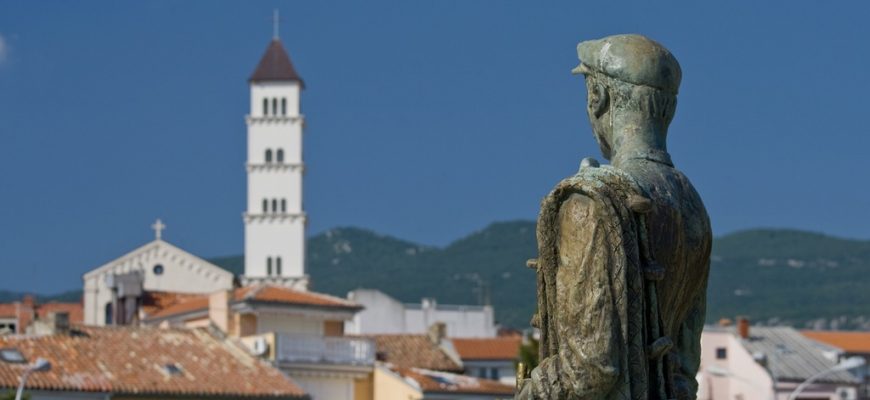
x: 631, y: 78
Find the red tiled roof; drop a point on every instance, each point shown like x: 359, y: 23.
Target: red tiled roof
x: 851, y: 342
x: 443, y: 382
x: 133, y: 360
x: 254, y: 293
x: 7, y: 310
x: 413, y: 351
x: 275, y: 65
x: 75, y: 310
x: 499, y: 348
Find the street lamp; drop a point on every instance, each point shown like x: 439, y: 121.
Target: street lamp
x: 40, y: 365
x: 849, y: 363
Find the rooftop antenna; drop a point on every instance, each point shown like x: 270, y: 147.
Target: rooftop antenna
x: 275, y: 19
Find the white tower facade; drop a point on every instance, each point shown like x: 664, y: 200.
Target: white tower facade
x: 275, y: 219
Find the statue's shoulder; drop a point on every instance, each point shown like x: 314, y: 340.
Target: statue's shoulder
x: 593, y: 179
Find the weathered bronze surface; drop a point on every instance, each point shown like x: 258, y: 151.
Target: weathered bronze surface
x: 623, y: 249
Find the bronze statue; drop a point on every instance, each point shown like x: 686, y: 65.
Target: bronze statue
x: 623, y: 249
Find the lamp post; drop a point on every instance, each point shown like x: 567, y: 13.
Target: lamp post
x: 40, y: 365
x: 849, y: 363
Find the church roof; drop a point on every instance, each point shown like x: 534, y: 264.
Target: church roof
x: 148, y: 362
x: 275, y: 65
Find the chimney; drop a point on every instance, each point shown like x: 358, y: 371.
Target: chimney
x: 437, y: 332
x: 59, y: 321
x: 743, y: 327
x: 219, y: 309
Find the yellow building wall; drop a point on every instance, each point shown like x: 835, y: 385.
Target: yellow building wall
x: 364, y: 388
x: 390, y: 386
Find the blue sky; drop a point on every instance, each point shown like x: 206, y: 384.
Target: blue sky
x: 426, y: 120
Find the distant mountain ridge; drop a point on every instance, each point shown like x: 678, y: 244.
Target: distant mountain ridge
x: 771, y: 275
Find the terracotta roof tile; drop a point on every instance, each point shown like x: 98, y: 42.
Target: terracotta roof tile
x: 254, y: 293
x: 75, y: 310
x: 499, y: 348
x: 443, y: 382
x: 279, y: 294
x: 275, y: 65
x: 851, y: 342
x: 413, y: 351
x: 134, y: 360
x: 7, y: 310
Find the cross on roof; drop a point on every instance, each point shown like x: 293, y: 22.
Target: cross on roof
x: 275, y: 21
x: 158, y: 227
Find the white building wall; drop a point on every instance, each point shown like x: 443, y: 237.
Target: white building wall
x: 743, y: 377
x: 278, y: 229
x: 384, y: 315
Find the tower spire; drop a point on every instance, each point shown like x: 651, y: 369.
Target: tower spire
x: 275, y: 19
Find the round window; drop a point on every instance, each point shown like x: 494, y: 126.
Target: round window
x: 158, y: 269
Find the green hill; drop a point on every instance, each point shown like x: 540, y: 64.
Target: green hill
x: 773, y: 276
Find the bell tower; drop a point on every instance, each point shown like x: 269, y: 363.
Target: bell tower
x: 274, y: 219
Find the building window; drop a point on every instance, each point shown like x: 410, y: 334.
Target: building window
x: 721, y: 353
x: 269, y: 266
x: 274, y: 106
x: 109, y: 314
x: 283, y: 106
x: 481, y: 373
x: 265, y: 106
x: 268, y: 155
x: 278, y: 266
x: 274, y: 205
x: 283, y: 205
x: 8, y: 327
x: 158, y: 269
x: 265, y: 206
x: 279, y: 155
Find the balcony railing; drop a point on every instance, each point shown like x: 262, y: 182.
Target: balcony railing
x: 295, y: 348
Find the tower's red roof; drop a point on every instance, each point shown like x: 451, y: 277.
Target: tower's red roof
x: 275, y: 65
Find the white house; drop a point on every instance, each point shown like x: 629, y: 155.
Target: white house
x: 385, y: 315
x: 764, y: 363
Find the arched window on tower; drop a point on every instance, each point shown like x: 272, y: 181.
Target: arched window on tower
x: 265, y: 206
x: 265, y: 106
x: 268, y: 155
x: 283, y: 106
x: 279, y: 155
x: 278, y: 266
x: 269, y: 266
x: 274, y: 106
x: 274, y: 205
x: 283, y: 205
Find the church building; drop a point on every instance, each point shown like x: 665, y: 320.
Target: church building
x: 274, y: 220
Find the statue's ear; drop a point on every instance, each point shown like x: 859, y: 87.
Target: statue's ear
x: 600, y: 100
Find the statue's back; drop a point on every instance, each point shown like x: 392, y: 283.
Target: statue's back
x: 680, y: 239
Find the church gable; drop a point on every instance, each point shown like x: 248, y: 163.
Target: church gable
x: 164, y: 267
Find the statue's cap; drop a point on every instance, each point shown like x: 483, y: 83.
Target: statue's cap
x: 631, y: 58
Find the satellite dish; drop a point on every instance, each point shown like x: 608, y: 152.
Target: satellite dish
x: 261, y: 346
